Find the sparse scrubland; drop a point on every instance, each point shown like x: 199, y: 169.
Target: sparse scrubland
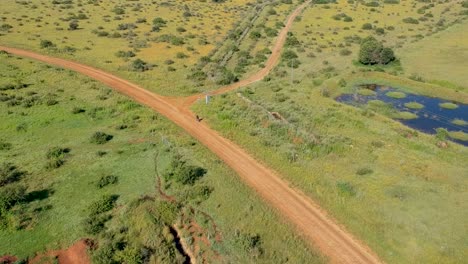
x: 400, y: 190
x: 81, y: 160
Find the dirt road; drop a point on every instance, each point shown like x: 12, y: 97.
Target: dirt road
x: 269, y: 64
x: 311, y: 221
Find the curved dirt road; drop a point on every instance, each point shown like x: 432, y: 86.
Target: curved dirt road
x: 269, y: 64
x: 311, y: 221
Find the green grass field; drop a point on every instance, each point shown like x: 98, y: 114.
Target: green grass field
x: 58, y: 199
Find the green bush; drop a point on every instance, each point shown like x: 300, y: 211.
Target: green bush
x: 104, y: 204
x: 107, y: 180
x: 5, y: 145
x: 140, y: 66
x: 346, y: 189
x: 9, y: 173
x: 11, y: 195
x: 46, y: 44
x: 57, y: 152
x: 182, y: 172
x: 364, y: 171
x: 100, y: 138
x: 95, y: 224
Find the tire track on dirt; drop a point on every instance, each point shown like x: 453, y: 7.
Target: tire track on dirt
x: 312, y: 222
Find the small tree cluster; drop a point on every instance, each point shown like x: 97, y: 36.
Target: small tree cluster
x: 373, y: 52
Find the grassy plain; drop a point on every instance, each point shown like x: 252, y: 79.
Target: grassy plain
x: 59, y: 199
x: 195, y: 28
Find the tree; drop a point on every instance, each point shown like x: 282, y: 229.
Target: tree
x: 373, y: 52
x: 73, y: 25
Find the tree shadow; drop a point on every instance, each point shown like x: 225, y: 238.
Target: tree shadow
x: 38, y: 195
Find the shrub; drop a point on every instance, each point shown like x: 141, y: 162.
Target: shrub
x: 11, y: 195
x: 345, y: 52
x: 5, y: 27
x: 184, y: 173
x: 107, y: 180
x: 364, y: 171
x: 5, y: 145
x: 367, y: 26
x: 250, y: 243
x: 125, y: 54
x: 140, y: 65
x: 95, y: 224
x: 77, y: 110
x: 288, y: 55
x: 104, y: 204
x: 227, y: 77
x: 100, y: 138
x: 46, y: 44
x: 346, y: 189
x: 73, y: 25
x: 373, y: 52
x: 57, y: 152
x: 9, y: 173
x: 442, y: 134
x: 410, y: 20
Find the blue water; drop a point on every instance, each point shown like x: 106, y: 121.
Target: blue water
x: 430, y: 117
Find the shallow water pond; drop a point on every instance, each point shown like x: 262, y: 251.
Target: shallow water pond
x: 422, y: 113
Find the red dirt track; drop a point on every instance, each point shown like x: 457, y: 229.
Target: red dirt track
x: 310, y: 220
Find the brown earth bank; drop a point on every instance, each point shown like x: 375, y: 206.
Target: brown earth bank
x: 310, y: 220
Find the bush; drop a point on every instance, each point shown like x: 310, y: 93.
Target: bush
x: 140, y: 65
x: 46, y: 44
x: 95, y: 224
x: 125, y: 54
x: 364, y: 171
x: 54, y: 163
x: 57, y: 152
x: 289, y: 55
x: 373, y: 52
x: 104, y: 204
x: 100, y: 138
x: 73, y: 25
x: 184, y: 173
x: 227, y: 77
x: 345, y: 52
x: 77, y: 110
x: 5, y: 145
x: 5, y: 27
x: 107, y: 180
x: 346, y: 189
x: 410, y: 20
x: 250, y: 243
x: 9, y: 173
x: 11, y: 195
x: 367, y: 26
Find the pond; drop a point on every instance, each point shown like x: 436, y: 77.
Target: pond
x: 422, y: 113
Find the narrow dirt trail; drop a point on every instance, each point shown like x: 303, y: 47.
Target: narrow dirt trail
x: 311, y: 221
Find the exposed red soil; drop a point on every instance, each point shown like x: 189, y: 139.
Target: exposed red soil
x: 311, y: 221
x: 76, y: 254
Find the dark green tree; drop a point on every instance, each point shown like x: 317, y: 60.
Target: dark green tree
x: 373, y: 52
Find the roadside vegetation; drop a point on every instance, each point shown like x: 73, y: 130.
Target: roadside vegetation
x: 96, y: 165
x: 395, y: 188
